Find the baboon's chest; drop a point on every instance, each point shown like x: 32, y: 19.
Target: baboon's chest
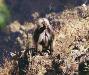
x: 44, y: 37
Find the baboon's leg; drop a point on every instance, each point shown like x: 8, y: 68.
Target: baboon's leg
x: 44, y: 48
x: 36, y: 48
x: 51, y: 47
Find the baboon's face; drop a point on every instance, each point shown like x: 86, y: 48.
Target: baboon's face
x: 43, y: 22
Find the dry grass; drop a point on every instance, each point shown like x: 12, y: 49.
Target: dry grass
x: 72, y: 29
x: 6, y: 68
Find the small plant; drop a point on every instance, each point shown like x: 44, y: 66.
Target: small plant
x: 4, y: 14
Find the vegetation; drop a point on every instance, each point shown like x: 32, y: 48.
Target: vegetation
x: 4, y: 14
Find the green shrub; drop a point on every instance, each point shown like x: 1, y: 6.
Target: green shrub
x: 4, y: 15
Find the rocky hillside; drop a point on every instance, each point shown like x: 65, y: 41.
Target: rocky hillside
x: 73, y: 30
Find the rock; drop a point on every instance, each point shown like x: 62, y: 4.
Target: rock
x: 13, y: 27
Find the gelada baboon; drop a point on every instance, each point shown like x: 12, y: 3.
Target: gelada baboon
x: 43, y: 35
